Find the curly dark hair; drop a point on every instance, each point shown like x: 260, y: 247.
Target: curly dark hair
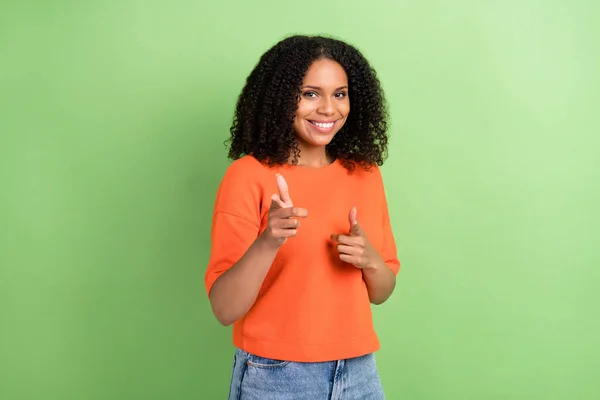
x: 265, y: 110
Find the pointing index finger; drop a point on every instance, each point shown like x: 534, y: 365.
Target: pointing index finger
x: 276, y: 202
x: 284, y: 193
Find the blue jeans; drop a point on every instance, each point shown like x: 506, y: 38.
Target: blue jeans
x: 258, y: 378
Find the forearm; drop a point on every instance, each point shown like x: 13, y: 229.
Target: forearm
x: 380, y: 281
x: 234, y: 292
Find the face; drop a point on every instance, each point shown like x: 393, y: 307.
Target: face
x: 324, y: 104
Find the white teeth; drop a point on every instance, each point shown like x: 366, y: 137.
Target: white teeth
x: 324, y: 126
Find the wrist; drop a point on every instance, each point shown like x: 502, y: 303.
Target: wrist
x: 373, y: 267
x: 266, y: 243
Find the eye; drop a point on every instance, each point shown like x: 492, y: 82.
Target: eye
x: 341, y: 95
x: 310, y: 95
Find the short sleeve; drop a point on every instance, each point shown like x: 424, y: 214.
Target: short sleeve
x: 389, y: 252
x: 231, y: 236
x: 235, y: 223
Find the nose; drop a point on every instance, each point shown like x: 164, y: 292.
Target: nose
x: 326, y: 106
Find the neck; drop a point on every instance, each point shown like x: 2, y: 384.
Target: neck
x: 314, y: 157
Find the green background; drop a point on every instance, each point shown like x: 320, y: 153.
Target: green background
x: 112, y: 121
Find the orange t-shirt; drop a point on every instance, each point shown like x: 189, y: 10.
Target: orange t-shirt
x: 312, y: 306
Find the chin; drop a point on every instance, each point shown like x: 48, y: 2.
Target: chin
x: 320, y: 141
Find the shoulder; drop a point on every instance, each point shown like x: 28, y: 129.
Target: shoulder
x: 246, y: 170
x: 369, y: 180
x: 243, y: 185
x: 371, y: 174
x: 246, y: 166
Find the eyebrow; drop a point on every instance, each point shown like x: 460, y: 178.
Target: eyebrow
x: 318, y: 88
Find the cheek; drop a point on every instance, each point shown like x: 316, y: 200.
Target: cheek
x: 304, y: 108
x: 345, y: 108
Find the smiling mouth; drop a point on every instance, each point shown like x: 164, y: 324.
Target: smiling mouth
x: 324, y: 127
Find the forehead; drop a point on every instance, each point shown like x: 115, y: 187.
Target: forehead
x: 325, y: 73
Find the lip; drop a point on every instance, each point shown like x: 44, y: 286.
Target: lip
x: 320, y: 129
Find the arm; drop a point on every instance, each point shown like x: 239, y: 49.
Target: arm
x: 380, y: 281
x: 235, y: 290
x: 379, y: 268
x: 356, y: 249
x: 380, y: 275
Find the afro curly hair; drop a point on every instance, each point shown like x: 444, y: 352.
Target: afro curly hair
x: 264, y: 114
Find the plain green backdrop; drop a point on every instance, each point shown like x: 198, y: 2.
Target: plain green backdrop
x: 112, y: 122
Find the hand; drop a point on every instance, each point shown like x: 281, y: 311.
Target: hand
x: 355, y: 248
x: 282, y: 216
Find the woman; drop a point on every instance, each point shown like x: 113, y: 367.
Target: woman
x: 301, y: 237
